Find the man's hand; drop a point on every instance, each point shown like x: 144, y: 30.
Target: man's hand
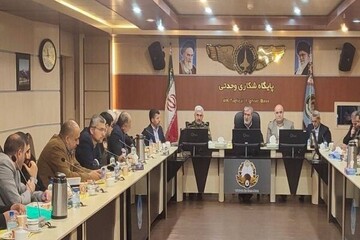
x: 20, y: 208
x: 32, y: 169
x: 46, y: 196
x: 353, y: 130
x: 30, y: 185
x: 95, y: 174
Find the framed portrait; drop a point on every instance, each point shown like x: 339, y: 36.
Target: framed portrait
x: 187, y: 55
x: 23, y: 81
x: 303, y: 55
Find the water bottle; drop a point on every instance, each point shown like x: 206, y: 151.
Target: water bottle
x: 112, y: 160
x: 76, y: 197
x: 117, y: 171
x: 11, y: 223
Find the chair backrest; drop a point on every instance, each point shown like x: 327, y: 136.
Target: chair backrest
x: 239, y: 120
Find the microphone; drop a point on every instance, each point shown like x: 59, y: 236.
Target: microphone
x: 124, y: 143
x: 73, y: 165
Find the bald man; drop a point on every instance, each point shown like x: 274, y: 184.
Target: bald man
x: 59, y: 156
x: 278, y: 123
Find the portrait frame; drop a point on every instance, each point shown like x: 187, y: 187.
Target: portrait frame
x: 23, y: 73
x: 302, y: 44
x: 184, y: 43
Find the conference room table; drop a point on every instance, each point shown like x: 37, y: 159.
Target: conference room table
x: 344, y: 197
x: 103, y: 216
x: 309, y: 183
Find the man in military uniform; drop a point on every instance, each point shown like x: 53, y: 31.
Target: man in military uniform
x: 198, y: 122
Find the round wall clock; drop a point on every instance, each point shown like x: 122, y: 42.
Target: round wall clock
x: 47, y: 55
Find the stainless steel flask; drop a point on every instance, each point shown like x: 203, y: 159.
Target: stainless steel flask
x: 140, y: 147
x: 352, y: 152
x: 59, y: 196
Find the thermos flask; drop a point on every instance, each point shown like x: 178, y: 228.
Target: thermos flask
x: 59, y: 196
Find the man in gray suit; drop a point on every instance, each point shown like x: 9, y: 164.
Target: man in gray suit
x: 278, y: 123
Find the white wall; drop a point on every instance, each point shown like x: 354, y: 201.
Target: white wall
x: 36, y: 111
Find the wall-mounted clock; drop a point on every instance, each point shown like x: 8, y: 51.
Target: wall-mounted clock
x: 47, y: 55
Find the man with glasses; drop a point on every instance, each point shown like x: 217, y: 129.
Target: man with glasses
x: 322, y: 132
x: 59, y: 155
x: 88, y: 152
x: 354, y: 130
x: 303, y: 51
x: 278, y: 123
x: 12, y: 190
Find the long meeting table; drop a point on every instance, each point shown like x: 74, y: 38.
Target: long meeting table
x: 108, y: 215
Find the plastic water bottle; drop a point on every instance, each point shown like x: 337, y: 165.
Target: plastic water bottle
x: 76, y: 197
x: 117, y: 171
x: 11, y: 223
x: 112, y: 160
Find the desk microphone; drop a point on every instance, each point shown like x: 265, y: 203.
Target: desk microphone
x: 125, y: 144
x: 73, y: 165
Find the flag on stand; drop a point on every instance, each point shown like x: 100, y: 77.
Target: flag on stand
x: 171, y: 122
x: 309, y: 105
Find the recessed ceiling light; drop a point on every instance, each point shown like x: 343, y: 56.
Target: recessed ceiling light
x: 150, y: 20
x: 356, y: 20
x: 250, y: 5
x: 136, y: 10
x: 160, y: 26
x: 297, y: 11
x: 203, y: 1
x: 268, y: 28
x: 208, y: 10
x: 344, y: 28
x: 235, y: 28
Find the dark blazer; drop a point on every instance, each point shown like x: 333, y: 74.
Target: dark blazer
x: 86, y: 153
x: 324, y: 133
x: 149, y: 135
x: 241, y: 125
x: 348, y: 136
x: 116, y: 140
x: 2, y: 217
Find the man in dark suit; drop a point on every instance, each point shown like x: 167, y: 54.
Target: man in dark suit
x: 119, y: 139
x: 154, y: 132
x: 322, y: 132
x: 354, y: 130
x: 88, y: 151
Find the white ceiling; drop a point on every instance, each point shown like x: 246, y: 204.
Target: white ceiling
x: 188, y: 17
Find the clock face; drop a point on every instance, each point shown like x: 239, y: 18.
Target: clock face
x: 47, y: 54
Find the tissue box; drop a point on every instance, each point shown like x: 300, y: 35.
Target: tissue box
x: 350, y: 171
x: 32, y: 210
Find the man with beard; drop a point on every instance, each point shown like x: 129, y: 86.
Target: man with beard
x: 186, y: 65
x: 354, y: 130
x: 154, y: 132
x: 59, y: 156
x: 303, y: 51
x: 198, y: 120
x: 88, y: 152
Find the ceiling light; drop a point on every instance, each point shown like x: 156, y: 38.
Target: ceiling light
x: 235, y: 28
x: 150, y: 20
x: 297, y: 11
x: 356, y: 20
x: 344, y: 28
x: 268, y: 28
x: 160, y: 26
x: 250, y: 5
x: 203, y: 1
x: 136, y: 10
x: 208, y: 10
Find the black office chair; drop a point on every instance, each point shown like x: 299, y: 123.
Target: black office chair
x: 239, y: 120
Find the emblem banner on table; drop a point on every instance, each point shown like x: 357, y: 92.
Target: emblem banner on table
x: 247, y: 176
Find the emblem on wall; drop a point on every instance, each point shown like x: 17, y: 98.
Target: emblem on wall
x: 246, y: 176
x: 245, y: 59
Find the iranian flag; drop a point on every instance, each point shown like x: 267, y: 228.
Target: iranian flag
x: 171, y: 122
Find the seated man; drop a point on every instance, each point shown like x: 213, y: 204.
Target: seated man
x: 104, y: 153
x: 154, y: 132
x: 248, y: 123
x: 198, y: 122
x: 12, y: 190
x: 88, y: 150
x: 59, y: 156
x: 119, y: 139
x: 5, y: 216
x: 278, y: 123
x: 322, y: 132
x: 354, y: 127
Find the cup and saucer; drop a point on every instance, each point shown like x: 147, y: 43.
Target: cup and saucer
x: 33, y: 226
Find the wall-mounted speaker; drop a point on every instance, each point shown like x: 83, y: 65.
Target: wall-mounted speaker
x: 157, y: 55
x: 346, y: 57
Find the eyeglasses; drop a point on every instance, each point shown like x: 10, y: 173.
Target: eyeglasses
x: 100, y: 129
